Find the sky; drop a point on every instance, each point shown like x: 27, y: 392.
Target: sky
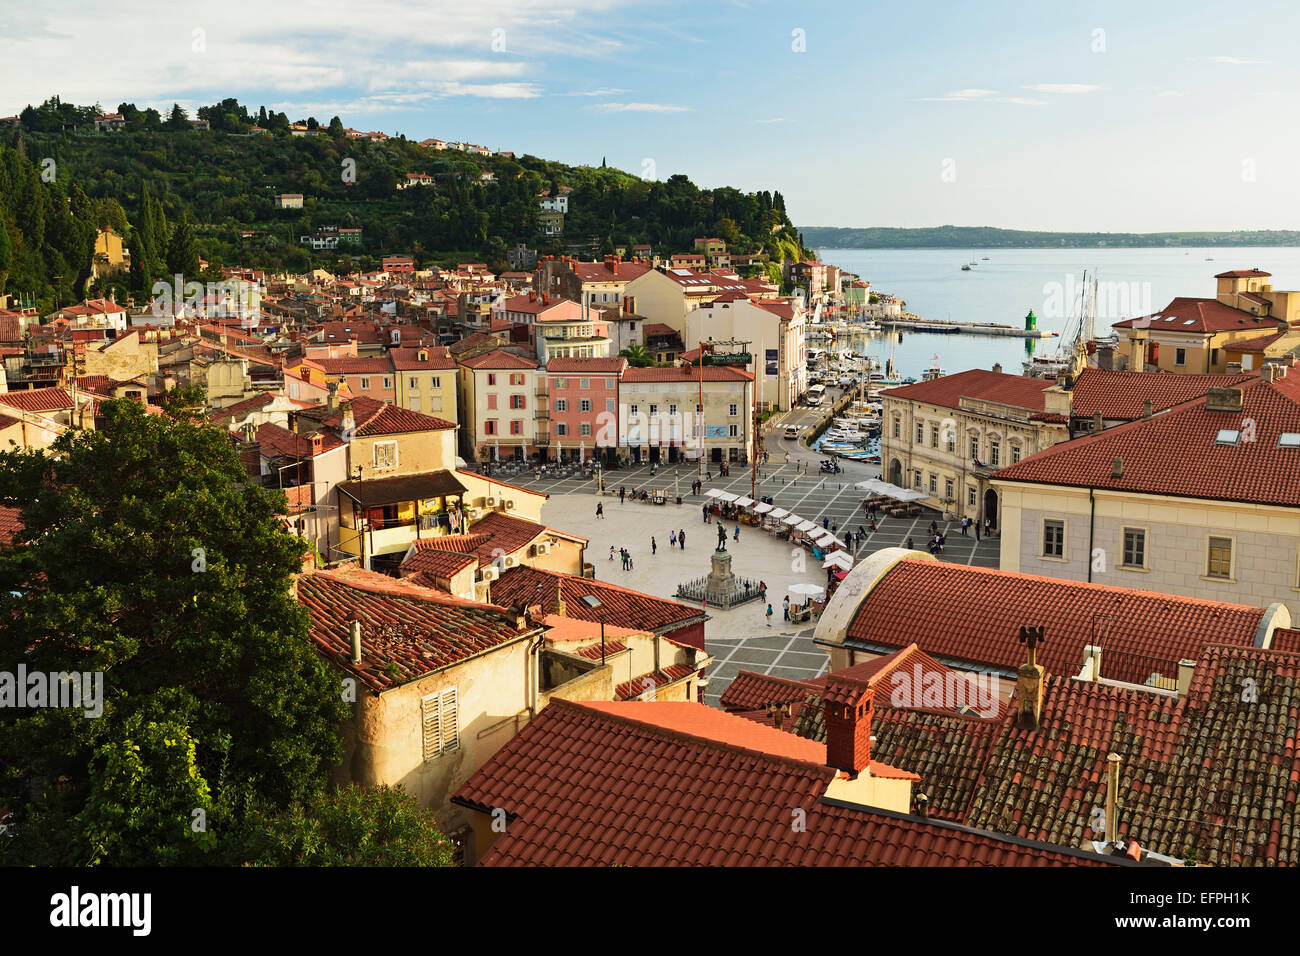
x: 1136, y: 116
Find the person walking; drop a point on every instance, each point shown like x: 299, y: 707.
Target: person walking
x: 672, y: 539
x: 622, y: 494
x: 629, y: 562
x: 762, y: 591
x: 681, y: 538
x: 786, y: 605
x: 988, y: 528
x: 736, y: 536
x: 909, y: 545
x: 835, y: 527
x: 654, y: 548
x: 977, y: 531
x: 600, y: 509
x: 826, y: 523
x: 611, y: 552
x: 769, y: 615
x: 705, y: 509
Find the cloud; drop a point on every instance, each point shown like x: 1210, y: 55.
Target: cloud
x: 959, y: 96
x: 1021, y: 101
x: 640, y: 108
x: 1236, y: 61
x: 609, y: 92
x: 1062, y: 88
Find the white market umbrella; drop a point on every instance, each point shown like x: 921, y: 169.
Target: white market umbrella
x: 808, y: 589
x: 714, y: 493
x: 727, y: 496
x: 744, y: 502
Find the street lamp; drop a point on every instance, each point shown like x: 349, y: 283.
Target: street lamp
x: 593, y: 602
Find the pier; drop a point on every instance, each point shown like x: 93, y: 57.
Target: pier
x: 917, y: 324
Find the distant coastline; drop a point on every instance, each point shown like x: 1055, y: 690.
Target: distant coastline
x: 987, y: 237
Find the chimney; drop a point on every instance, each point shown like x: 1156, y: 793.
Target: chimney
x: 1223, y: 400
x: 1186, y: 668
x: 1146, y: 409
x: 1097, y: 423
x: 333, y: 401
x: 778, y: 713
x: 347, y: 421
x: 997, y: 368
x: 848, y: 708
x: 1029, y: 681
x: 315, y: 444
x: 1092, y: 661
x: 354, y: 630
x: 560, y: 606
x: 1117, y: 467
x: 1112, y: 791
x: 922, y: 806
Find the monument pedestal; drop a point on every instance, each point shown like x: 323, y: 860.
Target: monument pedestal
x: 721, y: 581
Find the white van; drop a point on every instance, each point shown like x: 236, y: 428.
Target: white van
x: 791, y: 431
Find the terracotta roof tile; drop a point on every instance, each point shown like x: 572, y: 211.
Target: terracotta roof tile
x: 1019, y: 391
x: 1120, y: 395
x: 498, y: 359
x: 1198, y: 316
x: 622, y: 606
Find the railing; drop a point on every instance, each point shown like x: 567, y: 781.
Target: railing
x: 698, y: 589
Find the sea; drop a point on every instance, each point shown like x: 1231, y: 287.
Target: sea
x: 1009, y: 283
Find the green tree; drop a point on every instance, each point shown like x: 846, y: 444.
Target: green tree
x: 182, y: 253
x: 148, y: 557
x: 637, y: 356
x: 179, y: 119
x: 354, y: 826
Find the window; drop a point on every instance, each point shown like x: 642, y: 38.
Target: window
x: 517, y: 378
x: 916, y: 480
x: 952, y: 439
x: 1053, y: 538
x: 654, y: 410
x: 586, y: 384
x: 492, y: 402
x: 492, y: 379
x: 733, y: 410
x: 1135, y: 548
x: 1288, y: 440
x: 516, y: 427
x: 561, y: 429
x: 1219, y: 564
x: 970, y: 497
x: 584, y: 405
x: 1015, y: 453
x: 609, y: 405
x: 733, y: 431
x: 385, y: 454
x: 634, y: 409
x: 934, y: 485
x: 561, y: 383
x: 561, y: 404
x: 611, y: 384
x: 920, y: 433
x: 947, y: 489
x: 435, y: 382
x: 413, y: 383
x: 975, y: 447
x: 672, y: 410
x: 365, y: 383
x: 584, y: 429
x: 934, y: 436
x: 388, y: 381
x: 995, y: 452
x: 490, y: 426
x: 1180, y: 356
x: 1227, y: 436
x: 518, y: 401
x: 898, y: 428
x: 440, y: 718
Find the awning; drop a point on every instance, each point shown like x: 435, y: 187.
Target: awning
x: 726, y: 496
x: 762, y: 508
x: 714, y: 493
x: 838, y: 559
x: 779, y: 512
x: 792, y: 520
x: 373, y: 492
x: 879, y: 487
x: 810, y: 526
x: 743, y: 502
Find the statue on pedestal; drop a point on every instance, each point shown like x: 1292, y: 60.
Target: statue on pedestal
x: 722, y: 537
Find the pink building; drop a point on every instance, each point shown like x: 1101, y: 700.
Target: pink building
x: 583, y: 395
x: 371, y: 377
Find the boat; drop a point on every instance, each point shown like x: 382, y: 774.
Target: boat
x: 933, y: 371
x: 986, y: 258
x: 1071, y: 357
x: 966, y: 267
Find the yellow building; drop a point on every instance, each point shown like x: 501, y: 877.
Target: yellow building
x: 111, y: 256
x: 425, y: 380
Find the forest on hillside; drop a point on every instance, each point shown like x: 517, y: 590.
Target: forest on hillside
x: 177, y: 193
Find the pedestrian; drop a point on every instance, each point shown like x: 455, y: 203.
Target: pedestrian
x: 705, y: 511
x: 963, y: 526
x: 654, y: 548
x: 681, y: 538
x: 835, y: 527
x: 909, y: 544
x: 600, y: 510
x: 826, y: 524
x: 736, y: 536
x: 873, y: 525
x: 629, y: 562
x: 943, y: 539
x: 672, y: 539
x: 622, y: 494
x: 988, y: 527
x: 977, y: 532
x: 769, y: 615
x: 611, y: 552
x: 786, y: 605
x: 762, y: 591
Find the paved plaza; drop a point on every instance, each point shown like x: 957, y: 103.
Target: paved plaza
x: 738, y: 638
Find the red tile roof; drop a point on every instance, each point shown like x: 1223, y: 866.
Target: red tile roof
x: 407, y: 359
x: 37, y: 399
x: 1198, y: 316
x: 621, y: 606
x: 384, y: 418
x: 1286, y: 639
x: 1243, y: 274
x: 10, y: 327
x: 685, y: 373
x: 498, y: 359
x: 493, y: 536
x: 10, y: 524
x: 1019, y: 391
x: 1120, y: 395
x: 438, y: 564
x: 1176, y: 453
x: 407, y: 631
x: 355, y: 366
x: 750, y: 691
x: 662, y: 783
x: 973, y: 615
x: 592, y: 366
x: 633, y: 689
x: 277, y: 442
x: 240, y: 409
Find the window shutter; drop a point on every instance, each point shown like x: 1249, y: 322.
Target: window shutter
x: 450, y: 722
x: 430, y: 713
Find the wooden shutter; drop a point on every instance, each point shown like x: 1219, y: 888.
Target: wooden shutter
x: 430, y: 718
x: 450, y: 722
